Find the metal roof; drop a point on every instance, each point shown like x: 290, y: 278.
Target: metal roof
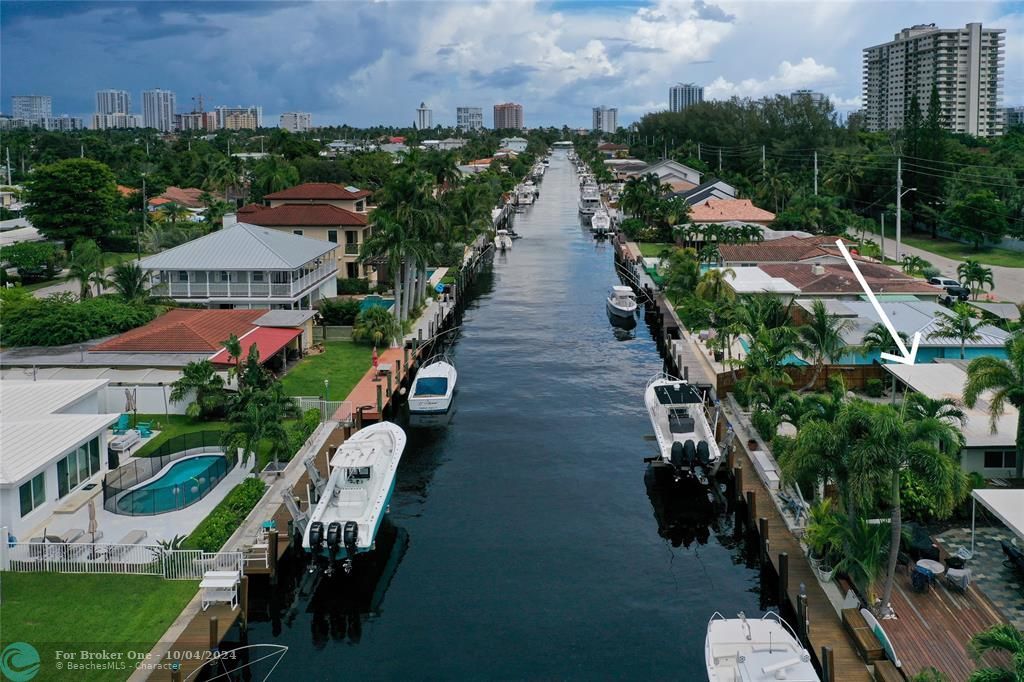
x: 241, y: 247
x: 1007, y: 311
x: 910, y: 317
x: 285, y: 318
x: 946, y: 380
x: 1007, y: 505
x: 34, y: 432
x: 115, y: 377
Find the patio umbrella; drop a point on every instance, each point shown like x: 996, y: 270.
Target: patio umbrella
x: 93, y: 525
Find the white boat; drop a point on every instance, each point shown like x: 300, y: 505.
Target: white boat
x: 590, y: 199
x: 621, y: 302
x: 686, y: 442
x: 600, y: 222
x: 354, y: 500
x: 759, y: 650
x: 526, y: 193
x: 432, y: 391
x: 502, y: 240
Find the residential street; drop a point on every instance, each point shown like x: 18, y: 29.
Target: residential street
x: 1009, y: 281
x: 68, y: 286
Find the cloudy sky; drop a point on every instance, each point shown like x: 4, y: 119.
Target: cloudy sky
x: 364, y: 63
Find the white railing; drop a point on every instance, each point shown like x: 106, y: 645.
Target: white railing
x: 172, y: 564
x: 330, y: 410
x: 245, y: 289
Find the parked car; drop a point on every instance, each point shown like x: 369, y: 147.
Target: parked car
x: 954, y: 290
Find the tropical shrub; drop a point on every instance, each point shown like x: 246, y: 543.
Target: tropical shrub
x: 874, y: 388
x: 303, y: 428
x: 353, y: 286
x: 632, y: 228
x: 35, y: 261
x: 62, y: 319
x: 213, y: 531
x: 339, y: 311
x: 376, y: 325
x: 766, y: 423
x: 930, y: 271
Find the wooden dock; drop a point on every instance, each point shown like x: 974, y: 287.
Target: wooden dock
x: 825, y: 628
x: 193, y: 648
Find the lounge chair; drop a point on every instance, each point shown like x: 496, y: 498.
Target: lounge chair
x: 122, y: 425
x: 133, y: 538
x: 1014, y: 557
x: 73, y: 535
x: 958, y: 578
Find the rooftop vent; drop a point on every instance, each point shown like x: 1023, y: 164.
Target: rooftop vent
x: 818, y: 269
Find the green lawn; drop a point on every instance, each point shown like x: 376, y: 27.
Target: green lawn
x: 343, y: 364
x: 174, y: 425
x: 653, y: 249
x: 120, y: 614
x: 958, y: 251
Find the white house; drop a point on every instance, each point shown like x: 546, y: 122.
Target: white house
x: 516, y: 144
x: 246, y: 266
x: 53, y: 437
x: 674, y: 174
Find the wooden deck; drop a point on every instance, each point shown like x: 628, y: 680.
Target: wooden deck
x: 192, y: 648
x: 365, y: 392
x: 826, y: 627
x: 934, y: 627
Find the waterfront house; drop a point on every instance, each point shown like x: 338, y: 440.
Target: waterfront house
x: 785, y: 249
x: 827, y: 280
x: 709, y: 189
x: 346, y: 197
x: 54, y: 442
x: 246, y: 266
x: 611, y: 150
x: 714, y: 211
x: 679, y: 177
x: 987, y: 452
x: 515, y: 144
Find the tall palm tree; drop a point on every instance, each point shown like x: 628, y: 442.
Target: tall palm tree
x: 389, y: 241
x: 130, y: 281
x: 765, y: 380
x: 713, y: 286
x: 1003, y: 638
x: 86, y: 263
x: 960, y: 326
x: 975, y: 276
x: 822, y: 338
x: 257, y: 414
x: 1005, y: 380
x: 234, y: 348
x: 200, y: 382
x: 878, y: 338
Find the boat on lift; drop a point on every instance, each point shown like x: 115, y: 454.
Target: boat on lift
x: 686, y: 442
x: 502, y: 240
x: 757, y: 650
x: 345, y: 521
x: 600, y: 222
x: 434, y: 387
x: 621, y: 302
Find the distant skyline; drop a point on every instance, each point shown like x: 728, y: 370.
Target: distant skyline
x: 558, y: 59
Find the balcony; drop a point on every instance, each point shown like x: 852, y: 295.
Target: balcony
x: 283, y: 292
x: 352, y: 249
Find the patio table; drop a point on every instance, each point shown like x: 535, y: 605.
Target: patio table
x: 935, y: 567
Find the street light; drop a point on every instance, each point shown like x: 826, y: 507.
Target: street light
x: 327, y: 383
x: 899, y: 222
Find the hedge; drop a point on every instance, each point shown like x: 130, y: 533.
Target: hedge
x: 62, y: 319
x: 213, y: 531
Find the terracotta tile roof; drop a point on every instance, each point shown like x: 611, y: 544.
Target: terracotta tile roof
x: 184, y: 330
x: 724, y: 210
x: 681, y: 185
x: 838, y: 279
x: 319, y: 191
x: 288, y: 215
x: 183, y: 196
x: 611, y: 147
x: 126, y: 191
x: 783, y: 250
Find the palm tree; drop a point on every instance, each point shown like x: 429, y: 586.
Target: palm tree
x: 1005, y: 380
x: 130, y: 281
x: 914, y: 264
x: 822, y: 337
x: 681, y: 272
x: 714, y: 288
x: 234, y: 348
x: 258, y: 414
x: 86, y: 261
x: 764, y: 379
x: 1002, y: 638
x: 960, y: 325
x: 377, y: 325
x: 201, y: 382
x: 878, y: 338
x: 390, y: 240
x: 972, y: 273
x: 173, y: 212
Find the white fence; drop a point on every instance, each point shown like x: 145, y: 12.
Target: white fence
x: 172, y: 564
x: 336, y: 410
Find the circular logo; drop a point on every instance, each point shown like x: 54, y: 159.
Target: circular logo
x: 19, y: 662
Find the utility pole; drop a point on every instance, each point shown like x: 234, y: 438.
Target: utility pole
x: 899, y: 204
x: 763, y: 168
x: 138, y: 235
x: 883, y: 237
x: 8, y: 165
x: 719, y: 159
x: 815, y: 172
x: 698, y: 152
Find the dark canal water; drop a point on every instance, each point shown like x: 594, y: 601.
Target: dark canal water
x: 522, y: 541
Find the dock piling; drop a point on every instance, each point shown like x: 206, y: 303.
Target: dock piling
x: 801, y: 620
x: 762, y: 530
x: 751, y: 508
x: 243, y: 598
x: 272, y: 540
x: 783, y: 578
x: 828, y: 666
x: 380, y: 402
x: 214, y: 634
x: 737, y: 473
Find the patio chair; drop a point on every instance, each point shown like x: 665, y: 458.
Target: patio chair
x: 1014, y: 557
x: 122, y: 425
x: 921, y: 579
x: 958, y: 578
x: 144, y: 430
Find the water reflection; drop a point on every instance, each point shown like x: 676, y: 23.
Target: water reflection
x: 684, y: 511
x: 627, y: 325
x: 431, y: 421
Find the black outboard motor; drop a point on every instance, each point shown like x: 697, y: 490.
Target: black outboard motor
x: 690, y: 453
x: 351, y: 537
x: 703, y: 453
x: 333, y: 538
x: 316, y: 543
x: 677, y: 455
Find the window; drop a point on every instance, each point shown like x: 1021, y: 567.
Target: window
x: 257, y: 277
x: 77, y: 467
x: 32, y: 493
x: 351, y: 237
x: 182, y: 276
x: 352, y: 270
x: 222, y: 276
x: 298, y: 232
x: 332, y: 236
x: 1000, y: 459
x: 359, y: 205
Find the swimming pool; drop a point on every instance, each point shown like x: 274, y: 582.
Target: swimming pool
x: 376, y: 301
x: 790, y: 359
x: 182, y: 483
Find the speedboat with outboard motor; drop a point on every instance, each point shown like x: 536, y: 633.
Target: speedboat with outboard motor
x: 356, y: 497
x: 434, y: 387
x: 686, y: 442
x: 755, y: 650
x: 600, y: 222
x: 502, y: 240
x: 621, y: 302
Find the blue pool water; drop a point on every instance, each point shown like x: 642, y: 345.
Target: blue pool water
x: 790, y: 359
x: 183, y: 483
x: 374, y: 300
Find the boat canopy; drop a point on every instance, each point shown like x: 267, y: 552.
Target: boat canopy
x: 431, y: 386
x: 622, y: 291
x: 356, y: 455
x: 677, y: 394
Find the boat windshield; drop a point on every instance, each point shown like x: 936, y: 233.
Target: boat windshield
x: 431, y: 386
x: 357, y: 475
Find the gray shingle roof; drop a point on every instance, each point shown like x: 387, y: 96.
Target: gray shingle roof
x: 241, y: 247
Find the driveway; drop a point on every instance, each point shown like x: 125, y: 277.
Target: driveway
x: 68, y: 286
x: 1009, y: 281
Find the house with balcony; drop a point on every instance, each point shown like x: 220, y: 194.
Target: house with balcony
x: 349, y: 198
x: 247, y: 266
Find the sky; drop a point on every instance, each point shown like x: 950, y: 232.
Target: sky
x: 368, y: 63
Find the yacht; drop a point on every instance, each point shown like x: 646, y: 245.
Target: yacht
x: 590, y: 199
x: 755, y: 650
x: 600, y: 222
x: 356, y: 496
x: 432, y: 391
x: 502, y: 240
x: 621, y: 302
x: 686, y: 442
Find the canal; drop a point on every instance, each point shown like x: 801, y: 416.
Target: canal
x: 522, y: 541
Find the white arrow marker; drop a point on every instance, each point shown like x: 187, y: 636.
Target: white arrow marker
x: 907, y: 357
